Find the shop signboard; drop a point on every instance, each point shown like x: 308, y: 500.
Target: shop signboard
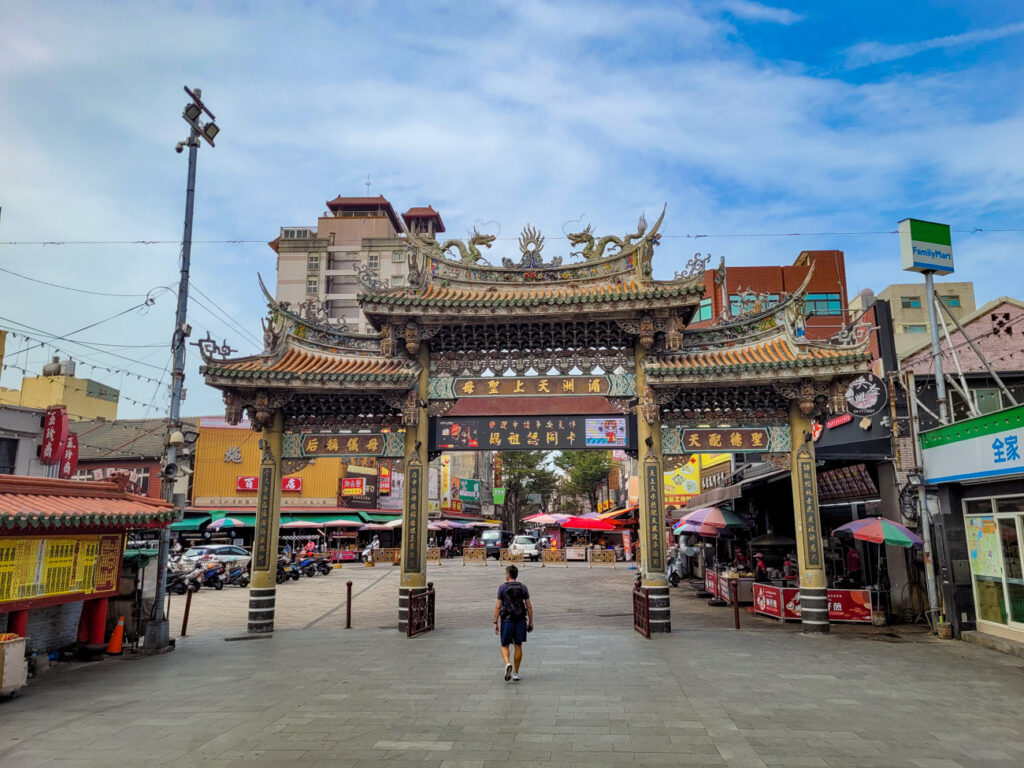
x: 469, y: 490
x: 384, y: 480
x: 327, y: 444
x: 627, y: 544
x: 499, y: 495
x: 866, y: 395
x: 711, y: 581
x: 518, y: 433
x: 252, y: 483
x: 55, y: 435
x: 849, y: 605
x: 985, y: 446
x: 69, y: 461
x: 723, y: 588
x: 37, y: 571
x: 925, y: 247
x: 352, y: 486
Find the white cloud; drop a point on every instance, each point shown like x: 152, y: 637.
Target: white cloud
x: 748, y: 10
x: 872, y: 52
x: 521, y: 112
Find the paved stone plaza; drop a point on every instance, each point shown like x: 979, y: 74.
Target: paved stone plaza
x: 593, y: 692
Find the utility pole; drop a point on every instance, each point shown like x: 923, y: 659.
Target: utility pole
x: 933, y: 320
x: 157, y: 630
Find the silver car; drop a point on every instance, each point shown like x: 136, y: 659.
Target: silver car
x: 228, y: 554
x: 527, y: 545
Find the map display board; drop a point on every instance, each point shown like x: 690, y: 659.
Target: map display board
x: 983, y: 545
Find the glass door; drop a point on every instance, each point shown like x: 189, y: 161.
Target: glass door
x: 1013, y: 570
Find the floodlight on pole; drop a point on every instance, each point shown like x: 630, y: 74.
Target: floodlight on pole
x: 209, y: 132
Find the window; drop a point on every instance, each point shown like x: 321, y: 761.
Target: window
x: 397, y: 281
x: 704, y: 312
x: 823, y: 304
x: 295, y: 234
x: 910, y: 302
x: 8, y: 450
x: 312, y: 286
x: 373, y: 260
x: 915, y: 329
x: 988, y: 400
x: 398, y: 257
x: 313, y: 262
x: 741, y: 304
x: 951, y: 300
x: 997, y: 568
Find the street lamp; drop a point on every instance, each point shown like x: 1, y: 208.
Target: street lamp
x: 157, y: 630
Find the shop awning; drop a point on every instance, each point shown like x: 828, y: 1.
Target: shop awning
x: 193, y: 523
x: 619, y: 512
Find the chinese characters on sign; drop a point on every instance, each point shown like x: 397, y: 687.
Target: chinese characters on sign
x: 342, y: 445
x: 525, y: 433
x: 528, y: 386
x: 808, y: 511
x: 411, y: 531
x: 55, y: 435
x: 263, y: 513
x: 252, y: 483
x: 233, y: 455
x: 69, y: 461
x: 652, y: 491
x: 352, y: 486
x: 384, y: 481
x: 1006, y: 449
x: 725, y: 440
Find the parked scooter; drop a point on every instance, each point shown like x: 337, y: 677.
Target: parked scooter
x: 178, y: 580
x: 212, y: 575
x: 282, y: 570
x: 306, y: 566
x: 324, y: 565
x: 238, y: 575
x: 676, y: 564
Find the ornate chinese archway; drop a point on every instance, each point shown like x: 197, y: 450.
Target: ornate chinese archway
x: 604, y: 317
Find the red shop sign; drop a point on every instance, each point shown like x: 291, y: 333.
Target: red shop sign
x: 55, y: 434
x: 711, y: 582
x: 849, y: 605
x: 768, y: 600
x: 69, y: 461
x: 384, y: 481
x: 352, y: 486
x: 252, y: 483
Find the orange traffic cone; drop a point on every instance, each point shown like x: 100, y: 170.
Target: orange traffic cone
x: 116, y: 639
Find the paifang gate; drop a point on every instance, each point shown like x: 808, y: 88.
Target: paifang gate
x: 465, y: 347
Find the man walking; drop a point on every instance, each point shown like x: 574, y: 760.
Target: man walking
x: 513, y: 618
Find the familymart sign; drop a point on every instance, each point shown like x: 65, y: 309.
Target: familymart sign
x: 988, y: 446
x: 926, y: 247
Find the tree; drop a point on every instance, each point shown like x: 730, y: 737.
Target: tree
x: 524, y: 473
x: 585, y: 471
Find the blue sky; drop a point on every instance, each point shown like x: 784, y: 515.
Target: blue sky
x: 746, y: 118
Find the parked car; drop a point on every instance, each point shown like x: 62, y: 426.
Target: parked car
x: 528, y: 546
x: 495, y: 540
x: 228, y: 554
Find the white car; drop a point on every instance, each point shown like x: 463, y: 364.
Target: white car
x: 527, y: 545
x: 228, y: 554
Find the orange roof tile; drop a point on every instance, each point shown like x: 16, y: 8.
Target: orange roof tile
x: 775, y: 353
x: 303, y: 362
x: 34, y: 501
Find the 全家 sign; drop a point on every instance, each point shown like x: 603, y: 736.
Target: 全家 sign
x: 985, y: 446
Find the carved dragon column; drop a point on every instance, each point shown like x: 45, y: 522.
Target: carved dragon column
x: 652, y: 499
x: 414, y: 510
x: 809, y: 546
x: 262, y: 593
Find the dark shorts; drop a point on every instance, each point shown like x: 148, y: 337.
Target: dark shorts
x: 513, y: 633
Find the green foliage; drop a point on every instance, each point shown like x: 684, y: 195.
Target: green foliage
x: 524, y: 473
x: 585, y: 472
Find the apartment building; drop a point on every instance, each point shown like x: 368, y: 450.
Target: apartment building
x: 320, y: 262
x: 910, y: 309
x: 825, y: 296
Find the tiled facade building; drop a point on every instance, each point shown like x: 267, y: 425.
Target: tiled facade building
x: 320, y: 262
x: 910, y: 310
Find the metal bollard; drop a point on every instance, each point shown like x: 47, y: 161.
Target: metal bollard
x: 184, y: 616
x: 348, y: 605
x: 734, y: 592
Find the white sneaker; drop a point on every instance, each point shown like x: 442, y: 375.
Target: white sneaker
x: 515, y: 677
x: 508, y: 672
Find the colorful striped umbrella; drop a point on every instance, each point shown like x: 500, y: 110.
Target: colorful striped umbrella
x: 700, y: 529
x: 881, y: 531
x: 227, y: 522
x: 713, y: 516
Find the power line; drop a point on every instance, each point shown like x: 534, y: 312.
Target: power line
x: 228, y: 318
x: 70, y: 288
x: 147, y: 303
x: 49, y: 343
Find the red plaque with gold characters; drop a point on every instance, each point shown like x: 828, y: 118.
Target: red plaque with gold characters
x: 725, y: 440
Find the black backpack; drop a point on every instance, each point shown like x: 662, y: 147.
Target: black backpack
x: 513, y: 602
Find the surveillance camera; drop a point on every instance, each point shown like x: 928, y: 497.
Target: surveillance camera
x: 179, y: 147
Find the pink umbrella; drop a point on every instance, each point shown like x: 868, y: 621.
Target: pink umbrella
x: 342, y: 523
x: 542, y: 519
x: 375, y: 527
x: 586, y: 524
x: 227, y: 522
x: 300, y: 524
x: 713, y: 516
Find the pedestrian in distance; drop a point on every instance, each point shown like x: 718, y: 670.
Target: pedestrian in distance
x: 513, y: 618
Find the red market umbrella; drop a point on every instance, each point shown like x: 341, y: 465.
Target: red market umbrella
x: 881, y: 531
x: 586, y: 524
x: 542, y: 519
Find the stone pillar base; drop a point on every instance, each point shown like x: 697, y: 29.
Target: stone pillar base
x: 261, y: 610
x: 660, y: 617
x: 814, y: 610
x: 403, y: 606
